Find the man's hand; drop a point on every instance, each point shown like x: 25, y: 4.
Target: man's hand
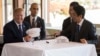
x: 27, y: 38
x: 56, y: 34
x: 84, y: 41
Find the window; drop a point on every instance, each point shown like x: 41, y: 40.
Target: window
x: 58, y: 11
x: 8, y: 11
x: 92, y: 10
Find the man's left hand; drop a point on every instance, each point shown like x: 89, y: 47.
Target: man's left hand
x: 84, y: 41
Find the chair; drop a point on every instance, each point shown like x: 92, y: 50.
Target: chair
x: 98, y: 46
x: 1, y: 47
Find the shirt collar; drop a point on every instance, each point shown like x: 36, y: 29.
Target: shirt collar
x: 81, y: 22
x: 33, y: 17
x: 17, y: 24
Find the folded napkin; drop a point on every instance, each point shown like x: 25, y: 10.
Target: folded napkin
x: 62, y: 39
x: 33, y: 32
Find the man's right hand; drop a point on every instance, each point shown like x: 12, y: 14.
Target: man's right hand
x: 56, y: 34
x: 27, y: 38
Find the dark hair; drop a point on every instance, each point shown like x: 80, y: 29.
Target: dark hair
x: 80, y: 10
x: 33, y: 4
x: 74, y: 4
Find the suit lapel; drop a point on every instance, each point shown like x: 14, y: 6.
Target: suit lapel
x: 15, y: 29
x: 82, y: 28
x: 29, y: 20
x: 38, y: 22
x: 23, y: 26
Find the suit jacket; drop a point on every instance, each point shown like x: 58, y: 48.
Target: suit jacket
x: 12, y: 34
x: 87, y: 31
x: 40, y: 24
x: 66, y: 23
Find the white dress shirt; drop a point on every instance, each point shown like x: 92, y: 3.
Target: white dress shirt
x: 18, y: 25
x: 31, y: 18
x: 80, y: 23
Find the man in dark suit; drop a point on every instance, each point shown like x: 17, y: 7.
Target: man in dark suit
x: 69, y: 20
x: 15, y: 31
x: 82, y: 30
x: 35, y: 21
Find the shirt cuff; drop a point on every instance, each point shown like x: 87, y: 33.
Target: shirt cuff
x: 24, y: 40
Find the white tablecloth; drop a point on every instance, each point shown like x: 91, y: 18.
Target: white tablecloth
x: 41, y: 48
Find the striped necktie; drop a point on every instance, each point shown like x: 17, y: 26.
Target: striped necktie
x: 33, y: 22
x: 20, y: 30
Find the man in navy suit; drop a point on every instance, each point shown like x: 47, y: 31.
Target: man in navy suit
x: 38, y: 22
x: 81, y: 30
x: 15, y: 31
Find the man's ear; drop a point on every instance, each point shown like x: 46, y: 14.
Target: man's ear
x: 30, y: 9
x: 80, y: 16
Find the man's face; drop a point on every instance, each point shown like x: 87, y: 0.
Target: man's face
x: 75, y: 17
x: 34, y: 10
x: 19, y: 17
x: 70, y: 10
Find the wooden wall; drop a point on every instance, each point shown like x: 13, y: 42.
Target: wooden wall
x: 1, y: 17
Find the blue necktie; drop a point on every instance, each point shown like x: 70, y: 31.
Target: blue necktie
x: 20, y: 30
x: 77, y: 28
x: 77, y: 33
